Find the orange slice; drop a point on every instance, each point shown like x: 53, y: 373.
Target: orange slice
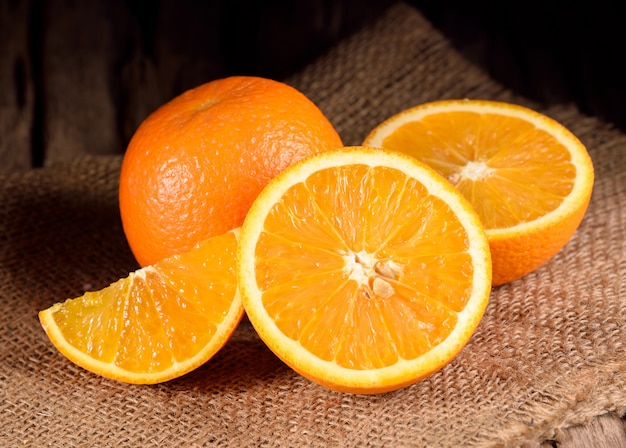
x: 364, y: 270
x: 527, y: 176
x: 159, y: 323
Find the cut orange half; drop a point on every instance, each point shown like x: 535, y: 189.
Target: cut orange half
x: 159, y: 323
x: 527, y: 176
x: 363, y: 269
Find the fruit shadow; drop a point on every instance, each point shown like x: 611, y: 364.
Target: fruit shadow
x: 241, y: 365
x: 57, y: 242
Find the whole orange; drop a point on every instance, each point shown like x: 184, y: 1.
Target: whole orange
x: 194, y: 166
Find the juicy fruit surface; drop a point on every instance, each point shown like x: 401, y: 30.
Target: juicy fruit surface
x: 195, y: 165
x: 529, y: 178
x: 363, y: 270
x: 158, y: 323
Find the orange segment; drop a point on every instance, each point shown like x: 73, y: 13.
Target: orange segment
x: 527, y: 176
x: 363, y: 270
x: 158, y: 323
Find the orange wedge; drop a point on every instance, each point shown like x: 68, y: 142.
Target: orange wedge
x: 363, y: 269
x: 527, y: 176
x: 159, y: 323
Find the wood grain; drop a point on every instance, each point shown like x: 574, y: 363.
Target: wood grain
x: 16, y: 86
x: 605, y: 431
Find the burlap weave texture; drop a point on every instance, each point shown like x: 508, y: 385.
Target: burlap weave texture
x: 550, y: 351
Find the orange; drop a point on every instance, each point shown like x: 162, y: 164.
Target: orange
x: 528, y: 177
x: 194, y: 166
x: 362, y: 269
x: 158, y: 323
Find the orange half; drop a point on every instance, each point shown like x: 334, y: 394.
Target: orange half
x: 363, y: 269
x: 526, y: 175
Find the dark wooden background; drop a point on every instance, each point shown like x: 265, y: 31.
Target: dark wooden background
x: 551, y: 51
x: 79, y: 76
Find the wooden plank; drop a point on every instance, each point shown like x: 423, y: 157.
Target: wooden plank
x: 106, y: 66
x: 605, y: 431
x: 78, y: 60
x: 16, y: 88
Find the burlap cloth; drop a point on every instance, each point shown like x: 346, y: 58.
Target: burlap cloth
x: 550, y: 351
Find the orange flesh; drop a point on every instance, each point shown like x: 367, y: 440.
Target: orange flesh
x: 166, y: 317
x: 509, y: 170
x: 363, y: 283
